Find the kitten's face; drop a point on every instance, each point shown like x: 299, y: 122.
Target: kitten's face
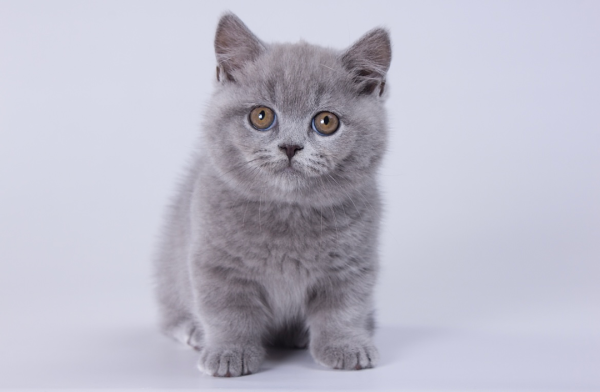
x: 293, y: 123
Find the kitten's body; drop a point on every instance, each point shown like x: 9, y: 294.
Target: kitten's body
x: 263, y: 248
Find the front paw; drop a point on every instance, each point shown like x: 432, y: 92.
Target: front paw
x: 230, y: 360
x: 345, y: 355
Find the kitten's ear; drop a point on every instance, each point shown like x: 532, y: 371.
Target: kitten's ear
x: 368, y: 60
x: 235, y: 45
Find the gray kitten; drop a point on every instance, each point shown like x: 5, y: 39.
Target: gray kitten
x: 272, y: 238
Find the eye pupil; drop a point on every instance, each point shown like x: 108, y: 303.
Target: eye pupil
x: 261, y: 115
x: 326, y: 120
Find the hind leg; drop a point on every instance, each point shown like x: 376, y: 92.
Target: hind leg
x: 187, y: 332
x: 182, y: 327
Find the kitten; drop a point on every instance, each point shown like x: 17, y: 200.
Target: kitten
x: 272, y: 238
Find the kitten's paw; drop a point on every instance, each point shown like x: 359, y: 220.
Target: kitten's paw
x: 230, y: 360
x: 348, y: 356
x: 188, y: 333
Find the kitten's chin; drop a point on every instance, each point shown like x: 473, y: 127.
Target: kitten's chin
x: 290, y: 171
x: 291, y: 177
x: 297, y: 170
x: 288, y: 177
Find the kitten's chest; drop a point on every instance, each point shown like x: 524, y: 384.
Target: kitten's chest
x: 287, y: 248
x: 286, y: 288
x: 289, y: 244
x: 280, y: 240
x: 286, y: 254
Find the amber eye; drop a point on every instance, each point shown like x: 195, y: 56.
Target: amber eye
x: 325, y: 123
x: 262, y: 118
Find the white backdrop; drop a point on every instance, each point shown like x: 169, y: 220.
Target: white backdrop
x: 491, y: 182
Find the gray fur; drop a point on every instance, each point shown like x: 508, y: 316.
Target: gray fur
x: 254, y: 253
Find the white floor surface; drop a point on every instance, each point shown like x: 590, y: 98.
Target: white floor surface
x: 411, y: 359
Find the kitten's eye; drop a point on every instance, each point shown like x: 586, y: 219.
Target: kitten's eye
x: 325, y: 123
x: 262, y: 118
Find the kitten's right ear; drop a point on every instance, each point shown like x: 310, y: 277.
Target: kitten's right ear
x: 235, y: 45
x: 368, y: 60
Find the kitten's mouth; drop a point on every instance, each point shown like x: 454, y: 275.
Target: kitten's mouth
x: 295, y: 171
x: 290, y: 169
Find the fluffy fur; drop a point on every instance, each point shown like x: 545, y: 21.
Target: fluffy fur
x: 259, y: 248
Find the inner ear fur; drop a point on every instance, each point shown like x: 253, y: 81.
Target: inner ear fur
x: 368, y: 60
x: 235, y: 45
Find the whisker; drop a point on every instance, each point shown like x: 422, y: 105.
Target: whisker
x: 323, y: 65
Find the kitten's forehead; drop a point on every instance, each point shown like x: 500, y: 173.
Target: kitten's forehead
x: 297, y: 77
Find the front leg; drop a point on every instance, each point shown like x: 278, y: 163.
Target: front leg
x: 234, y: 314
x: 341, y: 325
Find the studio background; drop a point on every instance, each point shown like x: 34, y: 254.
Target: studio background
x: 490, y: 244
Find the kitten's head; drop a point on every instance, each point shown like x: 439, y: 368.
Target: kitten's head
x: 296, y: 122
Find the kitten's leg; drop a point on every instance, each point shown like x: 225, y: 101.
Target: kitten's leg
x: 178, y: 323
x: 234, y: 313
x: 341, y: 325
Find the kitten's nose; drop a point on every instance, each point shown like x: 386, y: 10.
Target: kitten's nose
x: 290, y: 149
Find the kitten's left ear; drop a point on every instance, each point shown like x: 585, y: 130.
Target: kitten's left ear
x: 368, y: 60
x: 235, y: 45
